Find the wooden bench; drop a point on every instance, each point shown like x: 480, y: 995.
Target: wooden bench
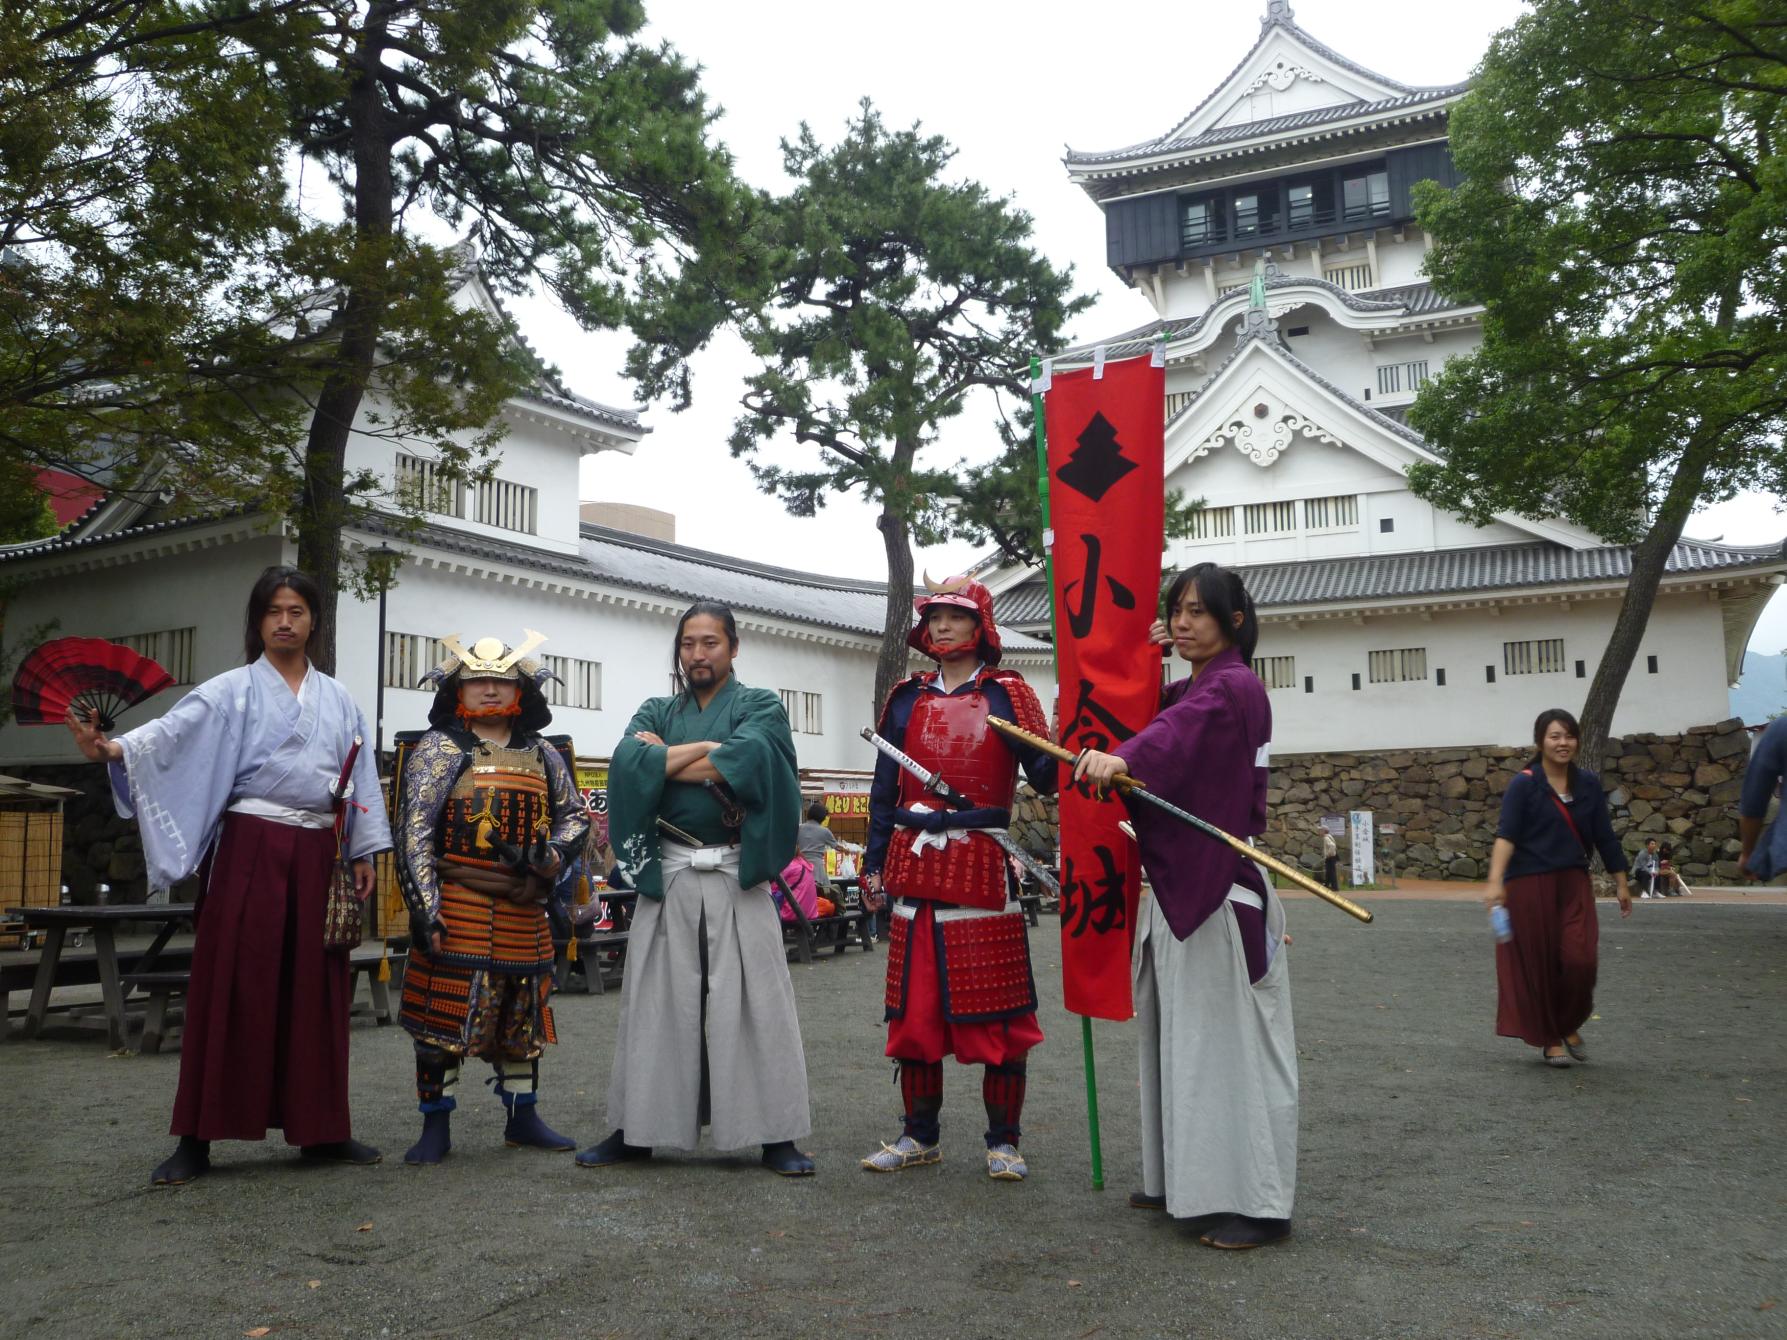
x: 602, y: 956
x: 164, y: 985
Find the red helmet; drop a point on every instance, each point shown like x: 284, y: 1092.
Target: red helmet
x: 959, y: 593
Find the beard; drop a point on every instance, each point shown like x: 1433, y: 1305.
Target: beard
x: 495, y: 710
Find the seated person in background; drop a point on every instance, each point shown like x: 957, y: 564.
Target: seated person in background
x: 1670, y: 884
x: 799, y: 877
x: 1644, y: 869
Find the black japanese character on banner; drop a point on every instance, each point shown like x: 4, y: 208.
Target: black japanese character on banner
x: 1099, y: 905
x: 1093, y: 725
x: 1080, y: 620
x: 1098, y: 462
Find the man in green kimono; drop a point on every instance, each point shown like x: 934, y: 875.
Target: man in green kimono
x: 703, y: 806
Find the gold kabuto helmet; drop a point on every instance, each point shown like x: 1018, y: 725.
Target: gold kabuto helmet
x: 490, y: 658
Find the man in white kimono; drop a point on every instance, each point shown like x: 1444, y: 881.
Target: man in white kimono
x: 234, y: 784
x: 703, y: 805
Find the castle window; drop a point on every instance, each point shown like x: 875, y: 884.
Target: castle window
x: 1339, y: 512
x: 1211, y: 523
x: 409, y: 656
x: 1276, y: 672
x: 1544, y: 656
x: 1201, y: 221
x: 1352, y: 278
x: 1274, y: 518
x: 1398, y: 666
x: 579, y: 683
x: 1366, y: 197
x: 171, y: 649
x: 1395, y: 378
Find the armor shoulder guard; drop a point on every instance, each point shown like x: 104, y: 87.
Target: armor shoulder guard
x: 1025, y: 705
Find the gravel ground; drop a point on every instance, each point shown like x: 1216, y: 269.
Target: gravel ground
x: 1450, y: 1186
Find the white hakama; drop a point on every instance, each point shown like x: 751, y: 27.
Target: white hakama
x: 1218, y: 1068
x: 708, y: 1030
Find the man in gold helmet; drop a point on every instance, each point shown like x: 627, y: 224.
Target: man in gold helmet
x: 487, y: 816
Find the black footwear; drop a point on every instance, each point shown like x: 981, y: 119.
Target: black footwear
x: 437, y: 1138
x: 1558, y: 1062
x: 1241, y: 1233
x: 612, y: 1150
x: 783, y: 1159
x: 1141, y: 1200
x: 343, y: 1151
x: 191, y: 1158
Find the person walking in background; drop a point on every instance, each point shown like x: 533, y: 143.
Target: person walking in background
x: 1553, y: 813
x: 1764, y: 853
x: 1330, y: 861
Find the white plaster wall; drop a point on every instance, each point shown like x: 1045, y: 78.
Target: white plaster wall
x: 206, y: 589
x: 631, y: 645
x: 1400, y: 262
x: 542, y: 458
x: 1685, y: 634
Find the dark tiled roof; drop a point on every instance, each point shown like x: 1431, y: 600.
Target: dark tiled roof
x: 1025, y: 603
x: 1494, y: 568
x: 56, y: 544
x: 1416, y: 299
x: 1425, y: 102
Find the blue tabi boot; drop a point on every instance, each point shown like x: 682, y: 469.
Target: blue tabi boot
x: 437, y: 1135
x: 524, y: 1127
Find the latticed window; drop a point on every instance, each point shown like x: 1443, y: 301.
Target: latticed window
x: 1396, y: 378
x: 579, y: 683
x: 409, y: 656
x: 1397, y: 665
x: 1276, y: 672
x: 1352, y: 278
x: 1274, y: 518
x: 790, y: 704
x: 812, y: 718
x: 170, y: 648
x: 508, y: 505
x: 1544, y: 656
x: 1333, y: 513
x: 1212, y: 523
x: 424, y: 483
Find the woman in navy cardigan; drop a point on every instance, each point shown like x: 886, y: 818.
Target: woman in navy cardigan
x: 1553, y: 813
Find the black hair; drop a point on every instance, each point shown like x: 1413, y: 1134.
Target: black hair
x: 713, y: 609
x: 1223, y: 596
x: 816, y: 811
x: 1547, y: 719
x: 266, y: 586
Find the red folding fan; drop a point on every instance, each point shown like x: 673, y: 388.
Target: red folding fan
x: 83, y: 675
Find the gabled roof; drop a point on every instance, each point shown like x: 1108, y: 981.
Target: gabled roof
x: 1404, y: 300
x: 1275, y: 55
x: 1482, y: 570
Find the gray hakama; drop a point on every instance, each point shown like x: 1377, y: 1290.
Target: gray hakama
x: 1218, y: 1067
x: 708, y: 1030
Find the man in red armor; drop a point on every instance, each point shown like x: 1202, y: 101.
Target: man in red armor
x: 958, y: 967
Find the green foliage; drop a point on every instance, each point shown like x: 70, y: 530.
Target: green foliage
x: 169, y: 320
x: 24, y: 508
x: 1623, y: 217
x: 893, y: 295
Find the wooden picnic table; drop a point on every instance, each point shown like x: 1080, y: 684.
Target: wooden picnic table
x: 103, y: 921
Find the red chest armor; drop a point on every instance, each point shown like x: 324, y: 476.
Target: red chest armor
x: 948, y: 734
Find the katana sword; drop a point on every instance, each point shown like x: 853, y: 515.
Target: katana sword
x: 956, y: 800
x: 1130, y: 786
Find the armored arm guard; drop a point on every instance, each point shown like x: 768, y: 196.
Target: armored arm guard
x: 570, y: 820
x: 428, y: 780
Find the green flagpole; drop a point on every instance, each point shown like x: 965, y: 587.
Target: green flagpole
x: 1042, y: 493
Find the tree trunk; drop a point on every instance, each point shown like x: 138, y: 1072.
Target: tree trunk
x: 322, y: 507
x: 890, y: 666
x: 1649, y: 558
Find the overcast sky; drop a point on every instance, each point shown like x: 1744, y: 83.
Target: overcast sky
x: 1009, y: 86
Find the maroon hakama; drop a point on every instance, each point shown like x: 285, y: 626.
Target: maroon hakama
x: 1545, y: 975
x: 266, y: 1043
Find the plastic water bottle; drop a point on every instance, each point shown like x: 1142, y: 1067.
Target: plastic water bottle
x: 1499, y: 923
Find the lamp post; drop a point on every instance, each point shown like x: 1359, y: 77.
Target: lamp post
x: 386, y: 557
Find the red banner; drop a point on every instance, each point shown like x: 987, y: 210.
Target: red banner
x: 1106, y: 445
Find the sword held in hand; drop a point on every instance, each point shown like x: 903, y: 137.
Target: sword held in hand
x: 957, y: 801
x: 1130, y: 786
